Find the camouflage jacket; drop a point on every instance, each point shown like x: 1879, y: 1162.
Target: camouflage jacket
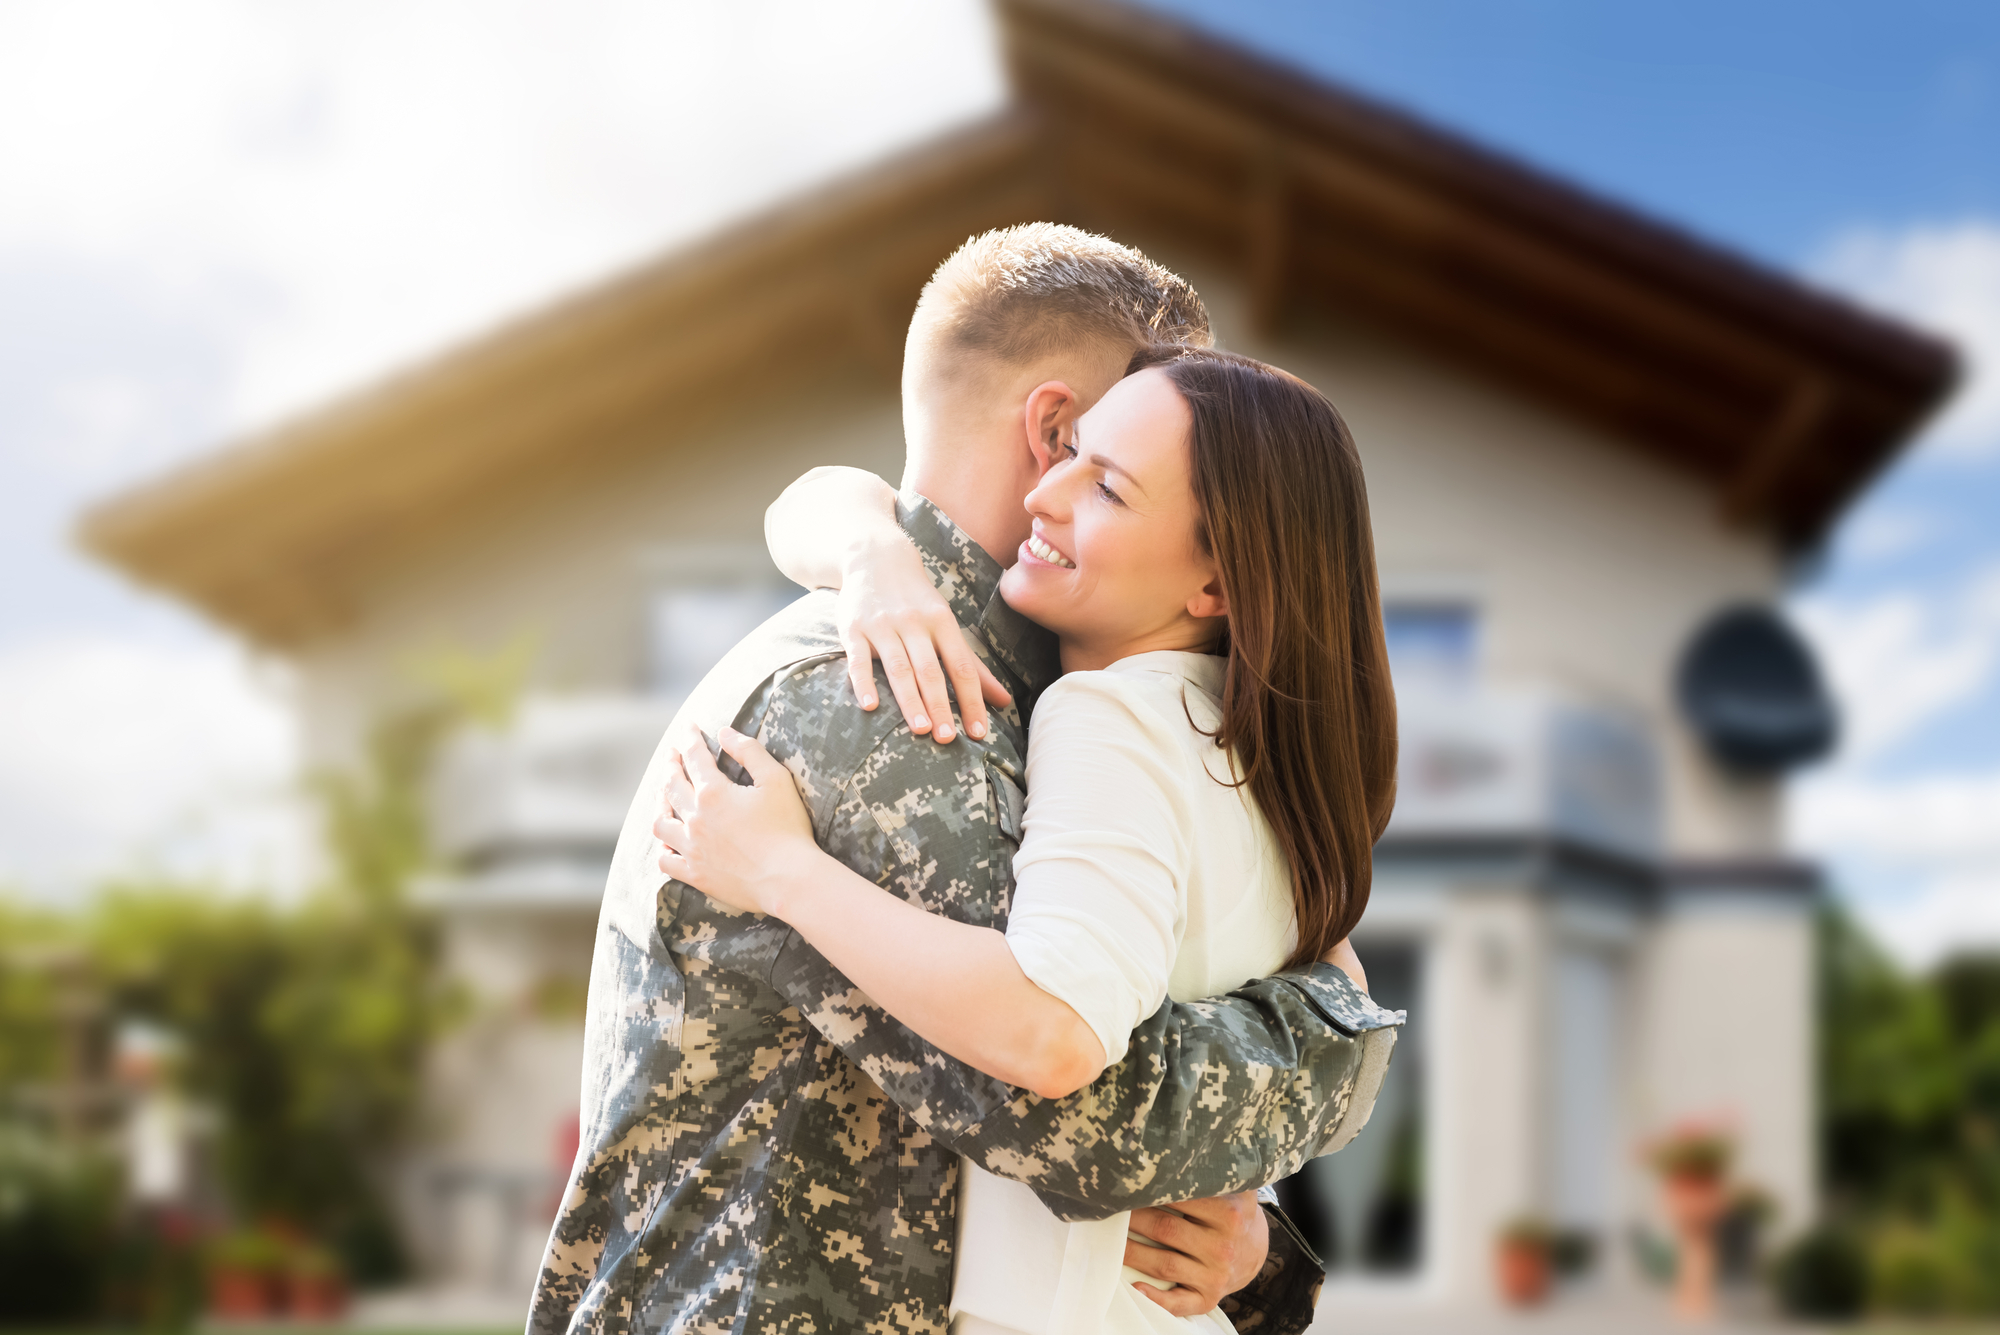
x: 763, y: 1149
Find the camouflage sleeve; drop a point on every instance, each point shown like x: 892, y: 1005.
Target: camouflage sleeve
x: 1280, y: 1301
x: 1212, y: 1097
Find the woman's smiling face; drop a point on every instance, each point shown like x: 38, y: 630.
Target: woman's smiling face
x: 1113, y: 565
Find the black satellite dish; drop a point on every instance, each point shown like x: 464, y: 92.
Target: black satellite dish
x: 1750, y: 688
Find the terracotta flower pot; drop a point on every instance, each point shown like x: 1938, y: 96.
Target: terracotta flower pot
x: 1694, y: 1200
x: 1695, y: 1203
x: 1523, y: 1271
x: 315, y: 1297
x: 239, y: 1294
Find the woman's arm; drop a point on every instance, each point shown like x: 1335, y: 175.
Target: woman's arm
x: 956, y: 985
x: 836, y: 528
x: 827, y: 518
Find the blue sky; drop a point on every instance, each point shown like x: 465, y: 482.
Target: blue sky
x: 220, y: 215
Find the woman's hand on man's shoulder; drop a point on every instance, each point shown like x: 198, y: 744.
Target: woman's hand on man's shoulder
x: 889, y: 609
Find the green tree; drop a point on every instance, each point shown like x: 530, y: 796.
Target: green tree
x: 305, y: 1026
x: 1910, y: 1096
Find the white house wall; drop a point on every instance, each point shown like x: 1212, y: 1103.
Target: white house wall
x: 1726, y: 1023
x: 570, y: 564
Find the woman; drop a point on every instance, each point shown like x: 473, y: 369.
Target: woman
x: 1205, y: 784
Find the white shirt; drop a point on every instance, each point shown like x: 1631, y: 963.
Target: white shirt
x: 1142, y: 874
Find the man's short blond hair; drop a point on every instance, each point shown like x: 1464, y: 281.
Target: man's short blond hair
x: 1018, y: 294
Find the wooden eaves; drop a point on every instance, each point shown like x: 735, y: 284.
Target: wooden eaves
x: 1784, y: 399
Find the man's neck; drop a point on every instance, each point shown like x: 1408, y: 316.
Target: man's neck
x: 979, y: 484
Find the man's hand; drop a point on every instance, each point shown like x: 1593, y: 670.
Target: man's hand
x: 1215, y: 1250
x: 1343, y: 958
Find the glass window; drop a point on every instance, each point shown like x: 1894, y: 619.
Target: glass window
x: 1431, y: 643
x: 691, y: 627
x: 1363, y: 1208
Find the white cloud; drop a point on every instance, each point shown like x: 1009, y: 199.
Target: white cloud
x: 1880, y: 534
x: 1945, y: 821
x: 1900, y: 660
x: 1919, y: 857
x: 1944, y: 277
x: 375, y: 179
x: 1946, y: 914
x: 1917, y: 854
x: 116, y: 755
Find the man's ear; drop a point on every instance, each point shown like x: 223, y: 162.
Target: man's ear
x: 1050, y: 412
x: 1211, y: 601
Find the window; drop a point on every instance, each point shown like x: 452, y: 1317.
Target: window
x: 1431, y: 643
x: 1363, y: 1208
x: 691, y: 627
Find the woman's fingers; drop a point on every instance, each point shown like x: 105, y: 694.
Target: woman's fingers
x: 990, y: 688
x: 748, y: 752
x: 701, y: 766
x: 902, y: 682
x: 923, y: 651
x: 860, y: 666
x: 674, y: 842
x: 676, y: 866
x: 679, y: 791
x: 971, y: 680
x: 673, y: 832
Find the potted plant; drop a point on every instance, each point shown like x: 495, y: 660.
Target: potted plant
x: 1693, y: 1160
x: 1740, y: 1232
x: 243, y: 1271
x: 1522, y: 1260
x: 315, y: 1285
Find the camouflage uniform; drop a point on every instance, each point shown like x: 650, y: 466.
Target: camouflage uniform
x: 763, y: 1149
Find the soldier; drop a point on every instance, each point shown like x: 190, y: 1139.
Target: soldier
x: 763, y: 1148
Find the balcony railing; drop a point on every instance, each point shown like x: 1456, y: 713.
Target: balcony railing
x: 1526, y: 763
x: 559, y: 779
x: 535, y: 810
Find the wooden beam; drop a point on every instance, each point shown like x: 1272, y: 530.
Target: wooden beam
x: 1798, y: 419
x: 1267, y: 237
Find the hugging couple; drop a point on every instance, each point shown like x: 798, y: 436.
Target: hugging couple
x: 996, y: 1020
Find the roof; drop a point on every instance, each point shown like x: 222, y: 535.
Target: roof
x: 1785, y: 399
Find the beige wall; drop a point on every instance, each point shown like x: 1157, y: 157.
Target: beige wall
x: 1725, y: 1028
x: 1489, y: 966
x: 571, y: 564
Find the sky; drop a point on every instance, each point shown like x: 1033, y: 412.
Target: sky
x: 220, y: 212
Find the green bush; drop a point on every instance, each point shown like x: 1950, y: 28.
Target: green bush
x: 58, y: 1214
x: 1823, y: 1275
x: 304, y: 1026
x: 1911, y: 1273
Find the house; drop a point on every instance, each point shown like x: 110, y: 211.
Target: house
x: 1587, y: 436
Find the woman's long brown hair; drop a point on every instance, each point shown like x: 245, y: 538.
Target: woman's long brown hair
x: 1307, y: 708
